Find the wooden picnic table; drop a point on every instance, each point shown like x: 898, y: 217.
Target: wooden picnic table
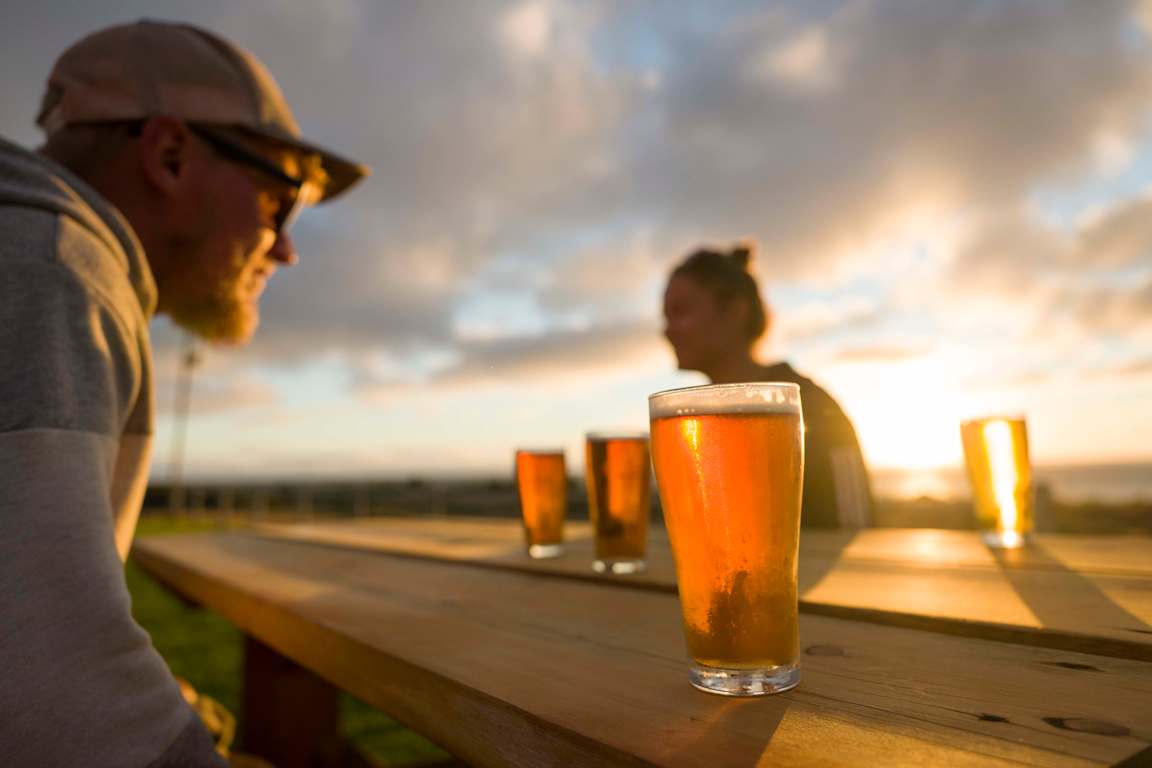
x: 920, y: 647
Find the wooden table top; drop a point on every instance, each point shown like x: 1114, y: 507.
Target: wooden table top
x: 509, y: 662
x: 1084, y: 593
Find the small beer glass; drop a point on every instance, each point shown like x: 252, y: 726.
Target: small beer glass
x: 543, y: 486
x: 618, y: 476
x: 996, y: 454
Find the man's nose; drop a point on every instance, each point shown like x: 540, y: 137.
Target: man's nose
x: 284, y: 250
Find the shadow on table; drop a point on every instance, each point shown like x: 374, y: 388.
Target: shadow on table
x: 816, y: 563
x: 1051, y: 606
x: 757, y: 719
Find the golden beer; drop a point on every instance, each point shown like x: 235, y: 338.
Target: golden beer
x: 543, y: 486
x: 617, y: 475
x: 996, y: 454
x: 729, y: 462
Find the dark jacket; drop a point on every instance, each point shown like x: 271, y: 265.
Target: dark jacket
x: 837, y: 492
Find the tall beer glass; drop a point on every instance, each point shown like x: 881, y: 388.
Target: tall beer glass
x: 543, y: 485
x: 729, y: 462
x: 996, y: 453
x: 617, y: 472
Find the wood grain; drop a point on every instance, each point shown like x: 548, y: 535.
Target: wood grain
x: 1080, y: 593
x: 508, y: 668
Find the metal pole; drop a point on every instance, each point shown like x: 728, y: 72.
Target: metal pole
x: 188, y: 360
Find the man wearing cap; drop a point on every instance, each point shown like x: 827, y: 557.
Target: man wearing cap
x: 171, y: 171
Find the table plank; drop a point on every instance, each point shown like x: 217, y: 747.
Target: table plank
x: 1089, y: 594
x: 508, y: 668
x: 1129, y: 555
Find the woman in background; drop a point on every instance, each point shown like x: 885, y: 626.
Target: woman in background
x: 714, y: 318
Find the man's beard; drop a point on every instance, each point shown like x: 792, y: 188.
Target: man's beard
x: 223, y: 316
x: 224, y: 312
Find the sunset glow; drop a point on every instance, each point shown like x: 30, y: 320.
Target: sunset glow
x: 907, y: 414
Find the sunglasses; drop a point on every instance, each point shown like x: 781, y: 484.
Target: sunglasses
x: 304, y: 190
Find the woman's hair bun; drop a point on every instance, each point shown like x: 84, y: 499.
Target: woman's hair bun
x: 742, y: 253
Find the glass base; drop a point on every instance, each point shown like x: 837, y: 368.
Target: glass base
x: 745, y: 682
x: 1004, y: 539
x: 540, y: 551
x: 618, y: 566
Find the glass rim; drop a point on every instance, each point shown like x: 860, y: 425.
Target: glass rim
x: 618, y: 435
x: 973, y: 419
x: 541, y: 451
x: 717, y: 387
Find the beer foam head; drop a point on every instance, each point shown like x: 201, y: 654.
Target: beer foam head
x: 752, y: 397
x: 621, y: 435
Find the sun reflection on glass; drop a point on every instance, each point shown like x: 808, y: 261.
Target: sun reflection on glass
x: 1002, y: 463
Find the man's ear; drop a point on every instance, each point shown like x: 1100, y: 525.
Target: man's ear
x: 165, y: 148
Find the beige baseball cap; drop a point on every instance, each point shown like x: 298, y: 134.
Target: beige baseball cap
x: 151, y: 68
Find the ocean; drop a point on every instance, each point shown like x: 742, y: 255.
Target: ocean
x: 1105, y: 483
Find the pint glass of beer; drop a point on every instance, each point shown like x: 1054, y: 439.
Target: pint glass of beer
x: 996, y: 452
x: 729, y: 462
x: 617, y: 473
x: 543, y: 488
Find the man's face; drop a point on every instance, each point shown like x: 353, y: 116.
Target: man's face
x: 224, y: 241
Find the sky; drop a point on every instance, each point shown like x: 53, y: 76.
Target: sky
x: 952, y: 202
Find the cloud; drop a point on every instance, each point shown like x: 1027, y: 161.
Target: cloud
x: 1092, y: 278
x: 527, y: 28
x: 1119, y: 237
x: 1006, y: 378
x: 1008, y: 256
x: 1141, y: 366
x: 621, y: 278
x: 219, y: 395
x: 819, y: 319
x: 878, y: 353
x: 559, y: 155
x: 216, y: 386
x: 1114, y: 310
x: 802, y: 61
x: 359, y: 295
x: 943, y: 106
x: 554, y: 356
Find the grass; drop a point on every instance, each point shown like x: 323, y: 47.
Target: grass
x: 206, y: 650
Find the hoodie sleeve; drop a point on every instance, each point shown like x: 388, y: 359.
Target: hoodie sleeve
x: 82, y: 682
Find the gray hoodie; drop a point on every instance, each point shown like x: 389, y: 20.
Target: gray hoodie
x: 80, y: 683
